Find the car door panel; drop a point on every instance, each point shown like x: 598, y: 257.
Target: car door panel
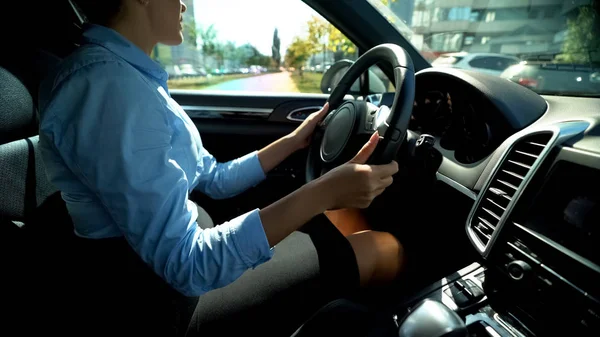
x: 234, y: 124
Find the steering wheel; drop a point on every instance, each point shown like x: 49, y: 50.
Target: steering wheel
x: 349, y: 124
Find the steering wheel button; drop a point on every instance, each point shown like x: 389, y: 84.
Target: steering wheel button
x: 395, y: 135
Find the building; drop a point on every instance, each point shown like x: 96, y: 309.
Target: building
x: 403, y: 9
x: 187, y: 53
x: 516, y: 27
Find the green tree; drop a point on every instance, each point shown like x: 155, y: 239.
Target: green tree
x: 190, y: 33
x: 318, y: 34
x: 232, y: 53
x: 298, y: 53
x: 582, y: 42
x: 276, y: 49
x: 219, y: 54
x: 340, y: 45
x: 326, y: 37
x: 208, y: 38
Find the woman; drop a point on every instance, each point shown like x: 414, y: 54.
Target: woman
x: 125, y: 157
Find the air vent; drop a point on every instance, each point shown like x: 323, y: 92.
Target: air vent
x: 507, y: 181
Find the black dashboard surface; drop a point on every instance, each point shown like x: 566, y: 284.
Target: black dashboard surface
x: 474, y: 118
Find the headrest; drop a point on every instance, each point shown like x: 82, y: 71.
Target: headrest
x: 19, y: 82
x: 17, y: 110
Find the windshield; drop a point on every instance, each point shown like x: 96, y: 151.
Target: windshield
x: 549, y: 46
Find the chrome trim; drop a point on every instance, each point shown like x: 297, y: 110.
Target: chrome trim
x: 461, y: 188
x: 560, y: 248
x: 511, y: 330
x: 290, y: 118
x: 210, y: 111
x: 77, y: 12
x: 560, y: 133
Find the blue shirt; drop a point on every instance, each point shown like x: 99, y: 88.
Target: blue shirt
x: 125, y: 157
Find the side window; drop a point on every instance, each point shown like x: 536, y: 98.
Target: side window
x: 261, y: 45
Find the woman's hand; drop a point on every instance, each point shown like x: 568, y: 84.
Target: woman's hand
x: 355, y: 184
x: 273, y: 154
x: 351, y: 185
x: 303, y: 134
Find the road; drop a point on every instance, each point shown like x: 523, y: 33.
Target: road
x: 277, y: 82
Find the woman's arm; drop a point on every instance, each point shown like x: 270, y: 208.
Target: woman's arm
x: 225, y: 180
x: 276, y: 152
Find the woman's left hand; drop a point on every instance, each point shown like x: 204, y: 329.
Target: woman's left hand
x: 303, y: 134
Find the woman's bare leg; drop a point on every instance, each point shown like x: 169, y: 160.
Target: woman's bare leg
x: 380, y: 256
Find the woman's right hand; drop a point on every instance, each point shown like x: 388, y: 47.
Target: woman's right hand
x: 355, y: 184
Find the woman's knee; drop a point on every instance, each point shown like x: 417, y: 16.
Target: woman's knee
x: 380, y: 256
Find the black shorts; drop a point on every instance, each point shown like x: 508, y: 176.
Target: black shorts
x: 337, y: 260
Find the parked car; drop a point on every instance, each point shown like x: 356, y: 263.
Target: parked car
x: 558, y: 78
x: 489, y: 63
x: 187, y: 70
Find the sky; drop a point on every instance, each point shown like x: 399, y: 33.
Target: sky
x: 253, y: 21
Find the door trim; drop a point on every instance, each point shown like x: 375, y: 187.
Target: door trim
x: 204, y: 111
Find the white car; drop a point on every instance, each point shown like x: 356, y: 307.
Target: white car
x: 489, y: 63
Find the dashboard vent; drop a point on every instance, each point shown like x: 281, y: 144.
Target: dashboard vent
x: 506, y: 182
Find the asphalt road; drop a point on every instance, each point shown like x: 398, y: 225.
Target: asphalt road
x: 276, y: 82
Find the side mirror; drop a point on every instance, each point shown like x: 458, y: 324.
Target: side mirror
x: 595, y: 77
x: 334, y: 74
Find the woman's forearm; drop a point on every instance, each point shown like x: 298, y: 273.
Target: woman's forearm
x: 288, y: 214
x: 274, y: 153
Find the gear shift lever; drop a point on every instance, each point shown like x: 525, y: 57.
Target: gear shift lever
x: 432, y: 319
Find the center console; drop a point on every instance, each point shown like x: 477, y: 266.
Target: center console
x: 536, y: 224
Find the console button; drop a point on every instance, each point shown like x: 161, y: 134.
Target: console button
x: 518, y: 269
x: 518, y: 253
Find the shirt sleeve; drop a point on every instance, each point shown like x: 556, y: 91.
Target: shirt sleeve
x: 117, y: 140
x: 225, y: 180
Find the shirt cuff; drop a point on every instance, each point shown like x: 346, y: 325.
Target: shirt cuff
x: 252, y: 168
x: 250, y: 240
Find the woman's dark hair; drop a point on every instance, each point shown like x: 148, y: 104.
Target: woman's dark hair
x: 100, y: 12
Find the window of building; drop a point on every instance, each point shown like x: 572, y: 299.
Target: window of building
x: 421, y: 19
x: 447, y: 42
x: 459, y: 13
x: 490, y: 16
x: 474, y: 16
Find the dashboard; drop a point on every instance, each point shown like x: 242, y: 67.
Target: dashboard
x: 532, y: 166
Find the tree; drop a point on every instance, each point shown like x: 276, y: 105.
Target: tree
x: 219, y: 54
x: 208, y: 38
x: 252, y: 57
x: 298, y: 53
x: 326, y: 37
x: 190, y: 32
x: 340, y: 45
x: 582, y: 42
x: 233, y: 54
x: 276, y: 49
x: 318, y: 33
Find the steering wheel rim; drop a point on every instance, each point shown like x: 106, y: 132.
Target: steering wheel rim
x: 350, y: 123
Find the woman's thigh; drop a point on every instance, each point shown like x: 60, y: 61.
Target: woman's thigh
x: 308, y: 269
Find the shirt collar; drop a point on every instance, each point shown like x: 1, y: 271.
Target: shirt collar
x: 118, y: 44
